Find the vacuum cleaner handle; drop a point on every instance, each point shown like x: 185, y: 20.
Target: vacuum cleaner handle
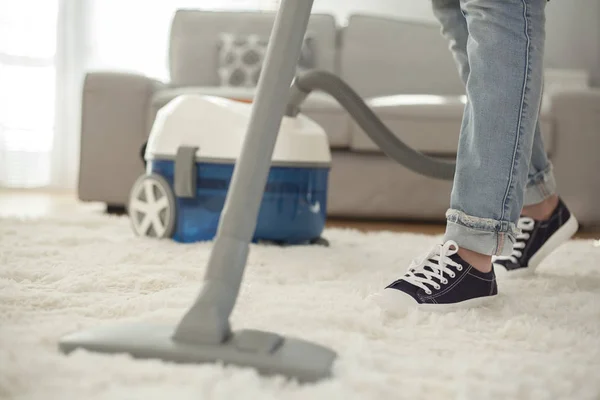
x: 387, y: 141
x: 207, y: 321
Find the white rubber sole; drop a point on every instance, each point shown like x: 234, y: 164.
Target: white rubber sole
x: 559, y: 237
x: 397, y: 302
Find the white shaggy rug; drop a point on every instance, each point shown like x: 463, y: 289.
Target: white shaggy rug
x: 541, y: 340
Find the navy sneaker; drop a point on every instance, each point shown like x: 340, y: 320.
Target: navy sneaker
x: 441, y: 280
x: 537, y: 240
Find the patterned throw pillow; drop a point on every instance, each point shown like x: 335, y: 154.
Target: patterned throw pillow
x: 241, y: 58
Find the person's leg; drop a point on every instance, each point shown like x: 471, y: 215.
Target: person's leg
x: 540, y: 197
x: 505, y: 51
x: 545, y: 221
x: 505, y: 45
x: 455, y: 31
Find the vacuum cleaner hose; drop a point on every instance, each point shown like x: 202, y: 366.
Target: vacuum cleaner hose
x: 389, y: 143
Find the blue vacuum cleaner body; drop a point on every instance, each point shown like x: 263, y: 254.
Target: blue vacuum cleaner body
x: 293, y: 209
x: 190, y: 157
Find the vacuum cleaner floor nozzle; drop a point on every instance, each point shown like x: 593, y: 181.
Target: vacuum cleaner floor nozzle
x: 268, y: 353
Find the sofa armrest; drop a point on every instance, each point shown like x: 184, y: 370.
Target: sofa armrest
x: 576, y: 156
x: 113, y: 128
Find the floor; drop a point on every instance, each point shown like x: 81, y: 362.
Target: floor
x: 79, y: 270
x: 37, y: 203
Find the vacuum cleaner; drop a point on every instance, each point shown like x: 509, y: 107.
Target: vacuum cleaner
x: 190, y: 157
x: 204, y: 334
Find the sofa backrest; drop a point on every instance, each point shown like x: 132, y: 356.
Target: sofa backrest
x: 382, y: 56
x: 193, y: 50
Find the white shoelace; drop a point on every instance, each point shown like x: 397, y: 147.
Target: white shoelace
x: 526, y: 225
x: 437, y: 262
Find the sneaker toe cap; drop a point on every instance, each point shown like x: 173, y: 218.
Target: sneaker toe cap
x: 396, y: 301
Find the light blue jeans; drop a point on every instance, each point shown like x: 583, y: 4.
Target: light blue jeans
x: 501, y: 165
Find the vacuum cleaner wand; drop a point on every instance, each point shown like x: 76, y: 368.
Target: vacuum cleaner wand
x: 389, y: 143
x: 204, y: 334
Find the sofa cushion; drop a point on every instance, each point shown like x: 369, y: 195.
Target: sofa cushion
x: 241, y: 58
x: 370, y: 185
x: 194, y: 42
x: 382, y: 56
x: 321, y: 107
x: 431, y: 124
x: 327, y: 112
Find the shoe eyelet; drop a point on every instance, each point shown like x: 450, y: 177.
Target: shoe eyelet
x: 428, y: 291
x: 452, y: 275
x: 437, y: 287
x: 459, y: 268
x: 445, y: 281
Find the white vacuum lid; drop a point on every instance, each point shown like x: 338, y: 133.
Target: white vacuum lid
x: 217, y: 126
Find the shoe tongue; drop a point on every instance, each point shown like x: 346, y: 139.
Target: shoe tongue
x: 428, y: 268
x: 454, y: 257
x: 457, y: 259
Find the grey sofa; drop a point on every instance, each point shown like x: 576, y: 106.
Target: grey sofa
x: 403, y: 69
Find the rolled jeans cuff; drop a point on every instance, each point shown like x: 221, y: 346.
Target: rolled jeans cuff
x: 482, y: 235
x: 539, y: 187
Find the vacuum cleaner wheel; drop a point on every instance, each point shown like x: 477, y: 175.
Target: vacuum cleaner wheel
x: 152, y: 207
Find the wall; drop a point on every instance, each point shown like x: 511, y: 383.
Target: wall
x: 573, y: 26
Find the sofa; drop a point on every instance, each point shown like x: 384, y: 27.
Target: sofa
x: 403, y: 70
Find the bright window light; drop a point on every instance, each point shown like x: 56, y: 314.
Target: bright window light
x: 27, y: 74
x: 124, y: 39
x: 27, y: 96
x: 114, y: 35
x: 28, y: 28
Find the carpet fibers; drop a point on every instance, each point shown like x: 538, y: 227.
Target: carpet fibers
x: 58, y: 274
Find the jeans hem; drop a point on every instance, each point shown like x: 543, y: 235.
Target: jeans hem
x: 540, y: 186
x: 482, y: 235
